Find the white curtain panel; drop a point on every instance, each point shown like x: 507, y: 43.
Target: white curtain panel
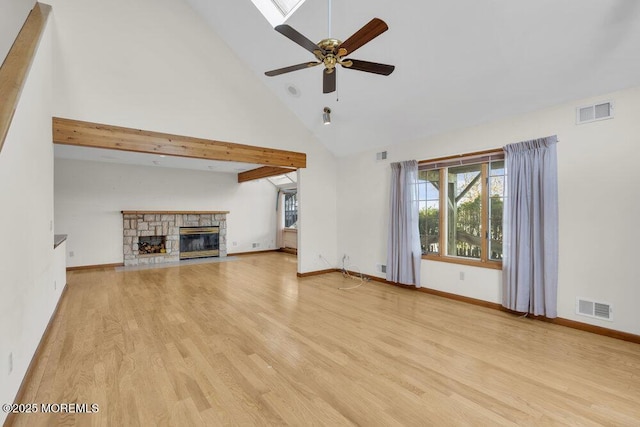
x: 530, y: 264
x: 403, y: 249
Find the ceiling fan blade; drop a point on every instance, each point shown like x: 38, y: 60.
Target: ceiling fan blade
x: 364, y: 35
x: 329, y: 81
x: 296, y: 37
x: 292, y: 68
x: 369, y: 67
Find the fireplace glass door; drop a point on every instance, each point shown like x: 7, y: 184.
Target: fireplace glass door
x: 199, y: 242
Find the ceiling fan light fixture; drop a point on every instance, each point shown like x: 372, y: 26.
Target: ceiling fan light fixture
x: 326, y: 116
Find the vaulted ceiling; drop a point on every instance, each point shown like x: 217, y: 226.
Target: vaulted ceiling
x: 458, y: 63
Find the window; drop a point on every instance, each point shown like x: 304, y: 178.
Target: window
x: 460, y: 208
x: 496, y: 203
x: 290, y: 210
x: 429, y: 203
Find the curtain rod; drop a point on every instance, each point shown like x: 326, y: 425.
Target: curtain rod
x: 472, y: 154
x: 458, y: 156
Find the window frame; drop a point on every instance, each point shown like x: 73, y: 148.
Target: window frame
x: 441, y: 164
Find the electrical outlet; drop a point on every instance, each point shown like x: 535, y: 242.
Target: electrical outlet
x: 55, y: 285
x: 234, y: 243
x: 71, y: 254
x: 462, y: 275
x: 10, y: 362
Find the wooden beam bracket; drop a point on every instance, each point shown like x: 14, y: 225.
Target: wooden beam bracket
x: 262, y: 172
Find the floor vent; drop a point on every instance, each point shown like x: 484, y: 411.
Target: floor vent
x: 595, y: 112
x: 597, y: 310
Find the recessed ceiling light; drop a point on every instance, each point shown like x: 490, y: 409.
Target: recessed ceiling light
x: 162, y: 155
x: 293, y: 90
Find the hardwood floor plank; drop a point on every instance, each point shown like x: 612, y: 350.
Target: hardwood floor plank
x: 249, y: 343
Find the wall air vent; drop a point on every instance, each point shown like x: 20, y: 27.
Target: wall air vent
x: 594, y: 113
x: 597, y: 310
x: 381, y: 156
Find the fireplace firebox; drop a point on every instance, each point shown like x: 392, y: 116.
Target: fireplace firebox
x: 199, y: 242
x: 152, y: 245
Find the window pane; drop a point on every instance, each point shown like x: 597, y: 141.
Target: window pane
x: 496, y: 186
x: 496, y: 168
x: 429, y: 202
x: 290, y: 210
x: 496, y: 203
x: 464, y: 211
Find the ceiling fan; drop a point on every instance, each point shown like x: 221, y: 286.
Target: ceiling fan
x: 330, y: 52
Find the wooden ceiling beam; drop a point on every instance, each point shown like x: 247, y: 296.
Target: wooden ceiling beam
x: 14, y: 69
x: 96, y: 135
x: 262, y: 172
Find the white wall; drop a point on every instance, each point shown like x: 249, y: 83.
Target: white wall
x: 598, y: 178
x: 89, y: 198
x: 156, y: 65
x: 14, y: 13
x: 27, y: 261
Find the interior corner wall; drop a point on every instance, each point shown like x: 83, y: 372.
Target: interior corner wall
x: 317, y: 214
x: 156, y: 65
x: 89, y: 198
x: 14, y: 13
x: 598, y: 176
x: 28, y: 289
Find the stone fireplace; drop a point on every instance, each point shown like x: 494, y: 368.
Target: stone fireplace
x: 155, y: 237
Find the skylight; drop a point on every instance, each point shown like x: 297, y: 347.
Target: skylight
x: 277, y: 11
x: 286, y: 6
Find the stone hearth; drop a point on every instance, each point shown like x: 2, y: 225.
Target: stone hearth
x: 167, y: 224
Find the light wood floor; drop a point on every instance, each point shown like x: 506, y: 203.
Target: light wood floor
x: 245, y: 342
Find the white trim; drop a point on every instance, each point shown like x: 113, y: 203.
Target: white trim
x: 272, y: 13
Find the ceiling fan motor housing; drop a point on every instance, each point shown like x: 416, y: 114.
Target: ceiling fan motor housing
x: 329, y: 45
x: 330, y: 56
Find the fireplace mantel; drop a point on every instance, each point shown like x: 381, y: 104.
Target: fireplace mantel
x: 173, y: 212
